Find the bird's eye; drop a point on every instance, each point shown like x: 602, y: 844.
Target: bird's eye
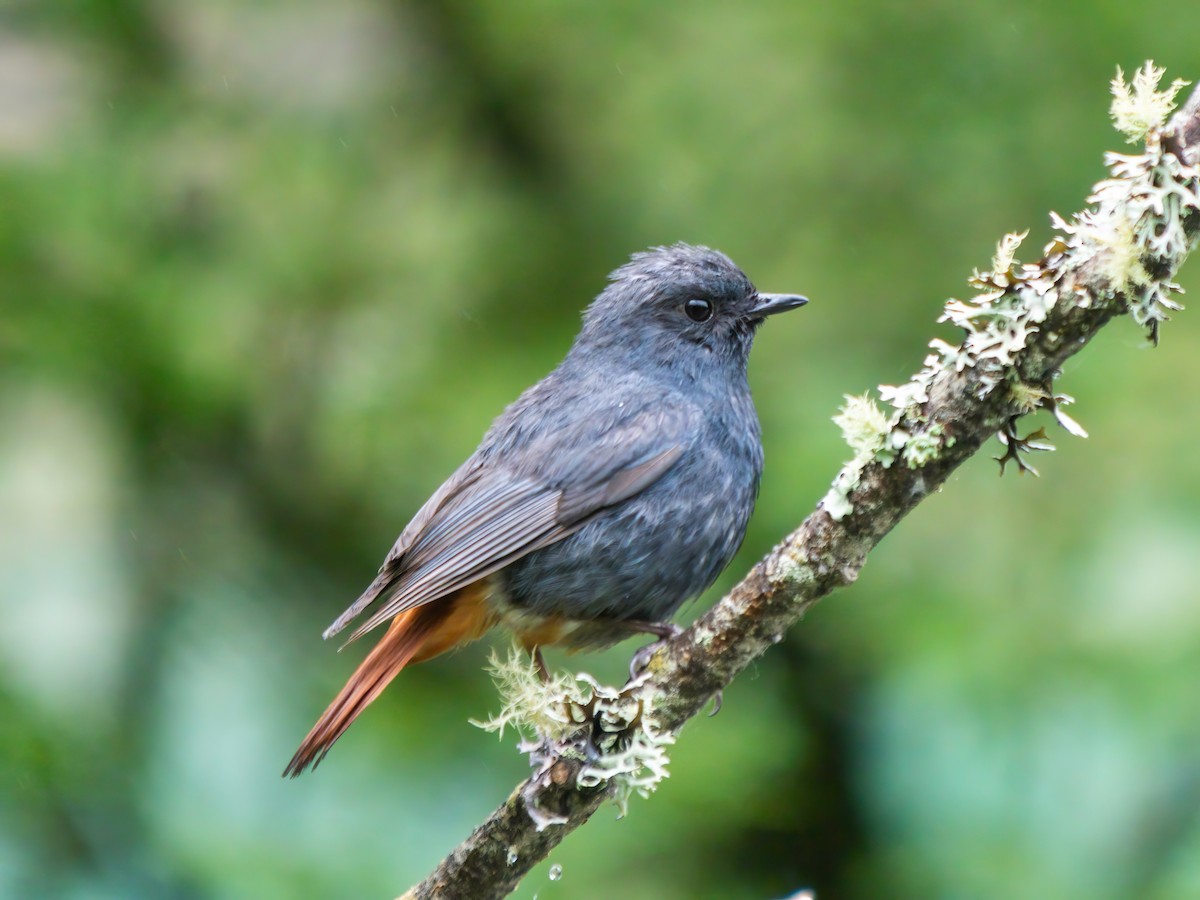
x: 698, y: 310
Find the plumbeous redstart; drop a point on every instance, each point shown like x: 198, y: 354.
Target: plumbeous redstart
x: 610, y: 492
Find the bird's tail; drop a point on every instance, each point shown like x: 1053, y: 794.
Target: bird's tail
x: 405, y: 637
x: 414, y: 635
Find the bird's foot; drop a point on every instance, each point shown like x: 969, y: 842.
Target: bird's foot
x: 664, y: 630
x: 716, y: 702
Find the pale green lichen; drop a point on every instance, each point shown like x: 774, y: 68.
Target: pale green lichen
x: 1055, y: 404
x: 1112, y: 243
x: 1139, y: 214
x: 864, y: 426
x: 1139, y: 107
x: 625, y: 750
x: 1006, y: 251
x: 788, y: 566
x: 1013, y: 299
x: 924, y: 447
x: 1015, y: 446
x: 875, y: 438
x: 530, y: 705
x: 633, y: 749
x: 1026, y: 397
x: 836, y: 501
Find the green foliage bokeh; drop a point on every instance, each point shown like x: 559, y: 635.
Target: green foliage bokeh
x: 267, y: 270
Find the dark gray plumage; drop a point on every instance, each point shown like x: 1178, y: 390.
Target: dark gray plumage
x: 606, y: 496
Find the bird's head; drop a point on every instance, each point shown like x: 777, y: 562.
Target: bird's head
x: 679, y: 305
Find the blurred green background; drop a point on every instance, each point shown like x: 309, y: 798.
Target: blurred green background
x: 267, y: 271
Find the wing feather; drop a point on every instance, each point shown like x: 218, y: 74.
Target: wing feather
x: 493, y: 526
x: 486, y: 516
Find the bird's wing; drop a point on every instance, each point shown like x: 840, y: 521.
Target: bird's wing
x: 456, y: 483
x: 488, y: 515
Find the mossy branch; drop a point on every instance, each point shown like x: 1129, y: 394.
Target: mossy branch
x: 1117, y: 257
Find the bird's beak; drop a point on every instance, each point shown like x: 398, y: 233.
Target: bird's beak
x: 769, y: 304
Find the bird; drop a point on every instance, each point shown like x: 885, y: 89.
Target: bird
x: 606, y: 496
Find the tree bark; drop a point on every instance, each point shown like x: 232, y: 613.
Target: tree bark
x: 962, y: 399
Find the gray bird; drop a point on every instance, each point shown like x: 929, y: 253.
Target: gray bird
x: 611, y: 492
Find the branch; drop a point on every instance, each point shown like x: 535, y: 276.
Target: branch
x: 1117, y: 257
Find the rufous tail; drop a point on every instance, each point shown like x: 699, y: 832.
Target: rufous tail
x: 405, y: 638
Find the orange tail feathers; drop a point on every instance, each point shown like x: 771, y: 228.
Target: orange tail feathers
x: 415, y: 635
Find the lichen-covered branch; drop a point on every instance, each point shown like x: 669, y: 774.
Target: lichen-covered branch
x: 1025, y: 320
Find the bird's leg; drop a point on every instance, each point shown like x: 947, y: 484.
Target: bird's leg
x: 543, y: 673
x: 535, y: 653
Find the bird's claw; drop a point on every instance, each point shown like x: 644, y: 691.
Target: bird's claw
x: 641, y: 659
x: 717, y: 697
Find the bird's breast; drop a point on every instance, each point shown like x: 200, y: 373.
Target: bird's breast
x: 644, y: 557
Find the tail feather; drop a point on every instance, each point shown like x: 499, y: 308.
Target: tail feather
x: 405, y: 638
